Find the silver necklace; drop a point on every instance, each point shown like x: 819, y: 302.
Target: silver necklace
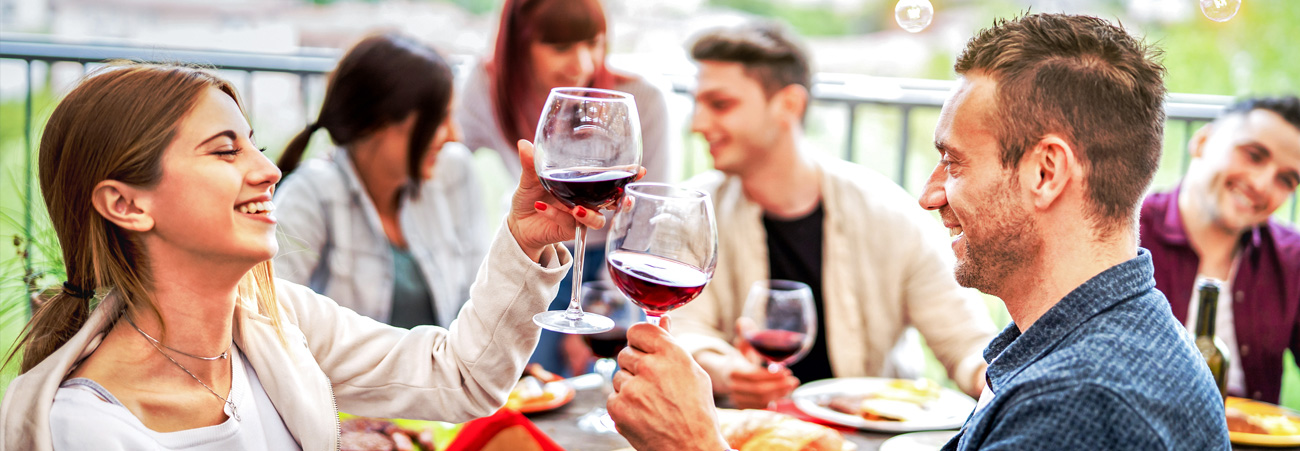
x: 234, y: 413
x: 224, y: 354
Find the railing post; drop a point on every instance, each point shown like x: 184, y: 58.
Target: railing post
x: 1294, y: 214
x: 303, y: 88
x: 248, y: 95
x: 28, y: 278
x: 1184, y: 151
x: 905, y: 136
x: 852, y: 134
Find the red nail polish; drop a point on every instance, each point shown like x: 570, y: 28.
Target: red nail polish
x: 582, y: 212
x: 540, y: 205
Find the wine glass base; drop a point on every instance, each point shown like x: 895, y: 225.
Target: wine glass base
x: 597, y: 421
x: 590, y: 323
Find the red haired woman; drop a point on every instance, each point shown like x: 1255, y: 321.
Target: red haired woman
x: 544, y: 44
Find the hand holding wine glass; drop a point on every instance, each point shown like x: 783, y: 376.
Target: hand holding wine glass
x: 536, y: 219
x: 662, y: 247
x: 588, y: 147
x: 780, y: 321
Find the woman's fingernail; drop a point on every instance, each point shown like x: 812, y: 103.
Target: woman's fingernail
x: 540, y: 206
x: 582, y: 212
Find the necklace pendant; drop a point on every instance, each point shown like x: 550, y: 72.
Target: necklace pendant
x: 234, y: 412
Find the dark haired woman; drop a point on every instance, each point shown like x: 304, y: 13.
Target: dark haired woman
x: 376, y: 225
x: 544, y: 44
x: 171, y: 332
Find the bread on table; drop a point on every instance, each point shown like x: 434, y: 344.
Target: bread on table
x: 762, y: 430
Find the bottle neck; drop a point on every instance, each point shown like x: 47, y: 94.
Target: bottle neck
x: 1206, y: 312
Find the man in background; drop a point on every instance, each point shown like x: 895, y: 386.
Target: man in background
x: 1217, y: 224
x: 875, y: 263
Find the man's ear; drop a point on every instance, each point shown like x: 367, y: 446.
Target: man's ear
x: 1196, y: 145
x: 793, y: 101
x: 1048, y: 168
x: 121, y: 203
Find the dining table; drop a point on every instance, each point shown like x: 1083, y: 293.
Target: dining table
x: 561, y: 425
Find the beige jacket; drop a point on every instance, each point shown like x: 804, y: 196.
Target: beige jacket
x: 886, y: 265
x: 338, y: 360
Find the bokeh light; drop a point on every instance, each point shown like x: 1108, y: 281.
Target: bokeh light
x: 915, y: 15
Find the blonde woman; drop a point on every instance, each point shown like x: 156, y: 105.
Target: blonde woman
x: 162, y: 204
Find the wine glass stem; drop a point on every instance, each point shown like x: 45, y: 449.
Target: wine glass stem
x: 774, y: 368
x: 652, y: 319
x: 606, y: 368
x: 574, y: 312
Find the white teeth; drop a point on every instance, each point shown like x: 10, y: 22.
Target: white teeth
x: 1243, y: 200
x: 954, y: 231
x: 257, y: 207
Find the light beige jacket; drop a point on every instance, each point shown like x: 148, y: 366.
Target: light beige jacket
x: 886, y: 265
x: 337, y: 360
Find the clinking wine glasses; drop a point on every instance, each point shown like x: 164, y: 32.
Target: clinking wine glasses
x: 588, y: 147
x: 662, y: 246
x: 779, y: 321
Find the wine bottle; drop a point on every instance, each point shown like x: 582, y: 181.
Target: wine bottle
x: 1211, y: 347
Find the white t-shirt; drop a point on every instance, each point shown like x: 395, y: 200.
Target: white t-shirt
x: 85, y: 416
x: 1224, y: 329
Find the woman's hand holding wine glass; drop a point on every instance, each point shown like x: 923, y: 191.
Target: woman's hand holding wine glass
x: 536, y: 218
x: 588, y: 147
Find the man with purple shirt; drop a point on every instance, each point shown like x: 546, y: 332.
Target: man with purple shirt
x: 1217, y: 224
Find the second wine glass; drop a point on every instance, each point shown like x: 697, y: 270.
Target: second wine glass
x: 588, y: 147
x: 780, y: 321
x: 662, y: 246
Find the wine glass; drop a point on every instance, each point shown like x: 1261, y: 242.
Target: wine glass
x: 780, y: 321
x: 588, y: 147
x: 603, y: 298
x: 662, y: 246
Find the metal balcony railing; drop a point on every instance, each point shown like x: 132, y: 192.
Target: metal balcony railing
x: 847, y: 91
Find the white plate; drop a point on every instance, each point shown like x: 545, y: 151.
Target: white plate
x: 948, y: 412
x: 918, y: 441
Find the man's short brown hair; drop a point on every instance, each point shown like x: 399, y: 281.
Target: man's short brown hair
x: 1087, y: 80
x: 770, y: 52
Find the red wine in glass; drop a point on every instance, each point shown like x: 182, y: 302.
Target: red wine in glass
x: 656, y: 284
x: 607, y: 345
x: 594, y: 188
x: 777, y: 346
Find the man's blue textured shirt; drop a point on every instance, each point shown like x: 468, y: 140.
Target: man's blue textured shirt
x: 1108, y: 367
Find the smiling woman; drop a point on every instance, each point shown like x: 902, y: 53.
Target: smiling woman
x: 163, y: 209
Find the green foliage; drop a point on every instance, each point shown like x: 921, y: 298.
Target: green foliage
x: 1250, y: 54
x: 812, y: 20
x: 45, y: 257
x: 478, y: 7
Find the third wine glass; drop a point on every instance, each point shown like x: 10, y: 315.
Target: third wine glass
x: 782, y: 321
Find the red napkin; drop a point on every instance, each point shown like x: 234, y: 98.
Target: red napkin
x: 507, y: 430
x: 787, y: 407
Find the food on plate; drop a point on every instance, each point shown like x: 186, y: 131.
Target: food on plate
x: 537, y: 387
x: 762, y: 430
x: 896, y: 400
x: 1260, y: 423
x: 372, y: 434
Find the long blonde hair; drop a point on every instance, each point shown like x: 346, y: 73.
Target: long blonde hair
x: 114, y: 125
